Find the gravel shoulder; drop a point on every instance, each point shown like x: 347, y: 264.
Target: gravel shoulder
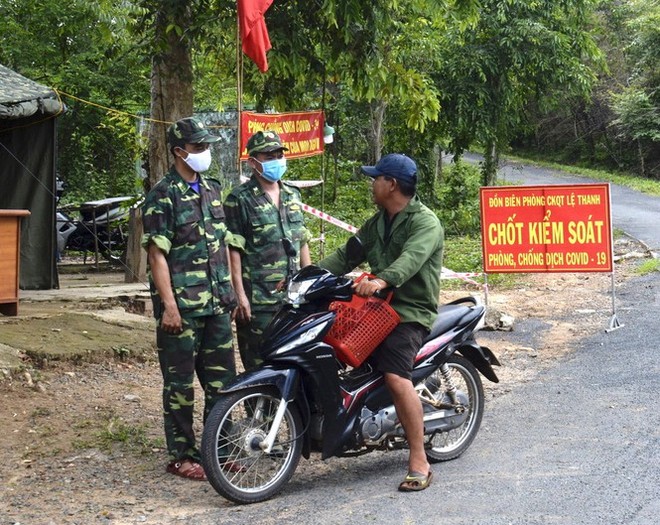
x: 83, y: 439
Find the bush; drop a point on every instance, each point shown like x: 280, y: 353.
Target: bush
x: 352, y: 201
x: 459, y: 200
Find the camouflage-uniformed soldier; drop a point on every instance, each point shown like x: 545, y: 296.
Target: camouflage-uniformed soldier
x: 260, y: 213
x: 186, y: 240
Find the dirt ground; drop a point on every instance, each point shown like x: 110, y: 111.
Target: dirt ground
x: 82, y: 437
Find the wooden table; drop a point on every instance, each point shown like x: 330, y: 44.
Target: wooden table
x: 10, y: 259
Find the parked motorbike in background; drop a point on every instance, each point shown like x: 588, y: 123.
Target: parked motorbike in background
x: 305, y: 398
x: 100, y: 227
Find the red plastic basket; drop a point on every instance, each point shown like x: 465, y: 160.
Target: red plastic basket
x: 361, y: 325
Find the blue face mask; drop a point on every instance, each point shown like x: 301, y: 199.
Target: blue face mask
x: 273, y: 170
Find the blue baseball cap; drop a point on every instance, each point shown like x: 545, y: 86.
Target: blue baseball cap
x: 394, y: 165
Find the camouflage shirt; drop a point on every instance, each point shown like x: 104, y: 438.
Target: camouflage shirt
x: 189, y: 228
x: 258, y: 228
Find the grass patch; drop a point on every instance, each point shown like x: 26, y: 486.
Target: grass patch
x: 649, y: 266
x: 41, y: 412
x: 464, y: 255
x: 115, y: 432
x: 133, y: 437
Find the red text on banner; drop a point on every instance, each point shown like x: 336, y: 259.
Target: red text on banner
x: 301, y: 132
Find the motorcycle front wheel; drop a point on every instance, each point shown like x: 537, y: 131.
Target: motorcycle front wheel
x: 235, y: 464
x: 448, y: 445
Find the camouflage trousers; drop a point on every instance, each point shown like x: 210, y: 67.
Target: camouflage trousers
x: 249, y: 337
x: 205, y: 348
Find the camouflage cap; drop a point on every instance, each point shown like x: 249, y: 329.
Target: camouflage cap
x: 264, y: 142
x: 189, y: 130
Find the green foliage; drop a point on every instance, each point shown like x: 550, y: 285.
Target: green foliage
x: 414, y: 77
x: 463, y: 254
x: 83, y: 49
x: 617, y: 127
x: 353, y: 203
x: 637, y: 116
x: 516, y: 52
x: 643, y: 26
x: 459, y: 200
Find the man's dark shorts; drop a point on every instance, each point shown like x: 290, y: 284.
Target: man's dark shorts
x: 397, y: 353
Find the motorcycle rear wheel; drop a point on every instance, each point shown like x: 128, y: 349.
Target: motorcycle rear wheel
x: 465, y: 377
x: 235, y: 465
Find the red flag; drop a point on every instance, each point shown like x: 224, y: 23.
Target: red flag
x: 254, y: 34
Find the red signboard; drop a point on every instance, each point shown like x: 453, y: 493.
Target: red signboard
x: 301, y: 132
x: 546, y: 228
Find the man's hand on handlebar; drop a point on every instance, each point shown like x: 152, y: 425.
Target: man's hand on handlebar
x: 368, y: 287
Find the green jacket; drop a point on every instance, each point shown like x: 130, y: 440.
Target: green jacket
x: 257, y: 228
x: 190, y: 229
x: 410, y: 259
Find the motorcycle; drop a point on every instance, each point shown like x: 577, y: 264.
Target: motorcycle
x: 101, y: 227
x: 303, y: 398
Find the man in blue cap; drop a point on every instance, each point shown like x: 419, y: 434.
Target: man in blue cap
x: 403, y: 245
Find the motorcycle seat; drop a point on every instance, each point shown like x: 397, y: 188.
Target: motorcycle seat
x: 451, y: 316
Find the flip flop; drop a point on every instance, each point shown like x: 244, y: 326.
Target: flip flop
x: 195, y: 471
x: 415, y: 481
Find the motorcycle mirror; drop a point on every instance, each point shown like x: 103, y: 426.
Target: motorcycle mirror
x: 288, y: 247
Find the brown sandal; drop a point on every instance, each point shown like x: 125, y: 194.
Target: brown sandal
x: 415, y: 481
x: 231, y: 466
x: 193, y: 471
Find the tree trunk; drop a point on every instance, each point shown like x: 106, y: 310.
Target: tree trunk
x: 640, y: 152
x: 491, y: 159
x: 435, y: 165
x: 439, y: 174
x: 171, y: 99
x: 378, y: 109
x: 136, y: 257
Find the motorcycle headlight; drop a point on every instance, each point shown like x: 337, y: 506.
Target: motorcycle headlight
x: 304, y: 338
x: 295, y: 294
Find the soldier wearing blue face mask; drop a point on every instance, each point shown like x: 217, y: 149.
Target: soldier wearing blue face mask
x: 259, y: 214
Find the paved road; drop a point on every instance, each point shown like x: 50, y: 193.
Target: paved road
x: 579, y: 445
x: 633, y: 212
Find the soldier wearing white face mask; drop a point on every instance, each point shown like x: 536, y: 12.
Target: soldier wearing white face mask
x: 186, y: 240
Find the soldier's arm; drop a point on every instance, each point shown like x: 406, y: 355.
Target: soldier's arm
x: 305, y: 257
x: 242, y: 312
x: 160, y: 271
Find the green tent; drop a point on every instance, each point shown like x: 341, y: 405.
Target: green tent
x: 27, y: 172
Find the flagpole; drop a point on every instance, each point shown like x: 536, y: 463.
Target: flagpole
x: 239, y: 96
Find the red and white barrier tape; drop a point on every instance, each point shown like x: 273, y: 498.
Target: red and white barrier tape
x: 450, y: 274
x: 329, y: 218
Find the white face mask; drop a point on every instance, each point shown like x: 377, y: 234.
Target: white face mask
x: 199, y: 162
